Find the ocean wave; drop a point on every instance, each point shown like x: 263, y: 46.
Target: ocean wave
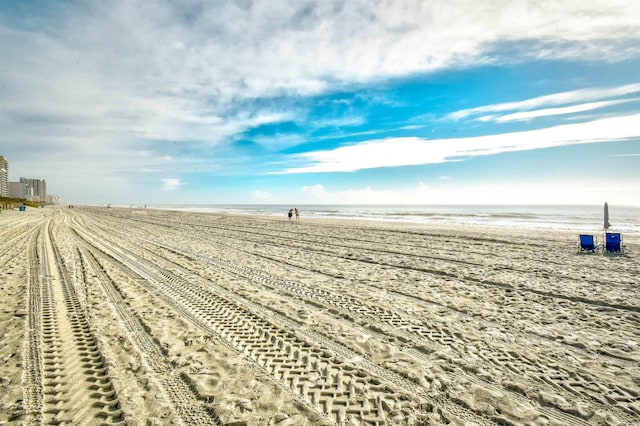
x: 571, y: 217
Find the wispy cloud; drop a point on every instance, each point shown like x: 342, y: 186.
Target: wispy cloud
x: 102, y: 87
x: 414, y: 194
x: 155, y: 70
x: 396, y: 152
x: 171, y: 184
x: 262, y: 196
x: 547, y: 112
x: 581, y: 97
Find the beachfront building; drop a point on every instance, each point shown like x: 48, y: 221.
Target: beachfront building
x: 38, y: 189
x: 53, y: 199
x: 20, y: 190
x: 4, y: 176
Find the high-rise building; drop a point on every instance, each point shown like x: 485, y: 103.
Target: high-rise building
x: 4, y: 176
x: 20, y: 190
x: 38, y: 186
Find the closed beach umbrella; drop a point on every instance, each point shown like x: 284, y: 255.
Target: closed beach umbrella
x: 606, y: 216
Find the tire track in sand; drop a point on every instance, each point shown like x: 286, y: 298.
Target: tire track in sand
x: 66, y: 379
x: 381, y: 321
x: 188, y: 407
x: 574, y: 386
x: 32, y: 371
x: 324, y: 380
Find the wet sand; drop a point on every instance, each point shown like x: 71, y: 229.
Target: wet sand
x: 138, y: 316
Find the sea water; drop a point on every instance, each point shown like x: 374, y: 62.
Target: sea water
x: 579, y: 218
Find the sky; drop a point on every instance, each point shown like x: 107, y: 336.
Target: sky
x: 323, y: 102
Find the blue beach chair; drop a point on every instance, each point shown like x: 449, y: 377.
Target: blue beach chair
x: 588, y: 243
x: 613, y: 242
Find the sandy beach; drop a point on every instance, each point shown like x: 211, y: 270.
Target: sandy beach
x: 147, y: 317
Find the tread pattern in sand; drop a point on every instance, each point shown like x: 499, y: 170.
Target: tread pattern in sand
x: 320, y: 378
x: 189, y: 409
x: 216, y: 319
x: 66, y: 379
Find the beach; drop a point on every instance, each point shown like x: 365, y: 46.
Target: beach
x: 152, y: 317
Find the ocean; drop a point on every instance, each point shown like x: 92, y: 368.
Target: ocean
x: 579, y: 218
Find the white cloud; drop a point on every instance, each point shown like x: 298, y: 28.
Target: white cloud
x: 89, y: 83
x: 546, y: 112
x: 534, y: 192
x: 158, y: 69
x: 563, y: 98
x: 319, y: 194
x: 468, y: 193
x: 262, y: 196
x: 171, y: 184
x: 315, y: 191
x: 395, y: 152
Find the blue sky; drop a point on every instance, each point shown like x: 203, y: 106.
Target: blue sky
x: 305, y: 102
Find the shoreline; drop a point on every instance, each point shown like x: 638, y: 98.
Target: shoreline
x: 547, y: 233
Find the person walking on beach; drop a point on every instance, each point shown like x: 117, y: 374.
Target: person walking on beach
x: 290, y: 214
x: 297, y: 213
